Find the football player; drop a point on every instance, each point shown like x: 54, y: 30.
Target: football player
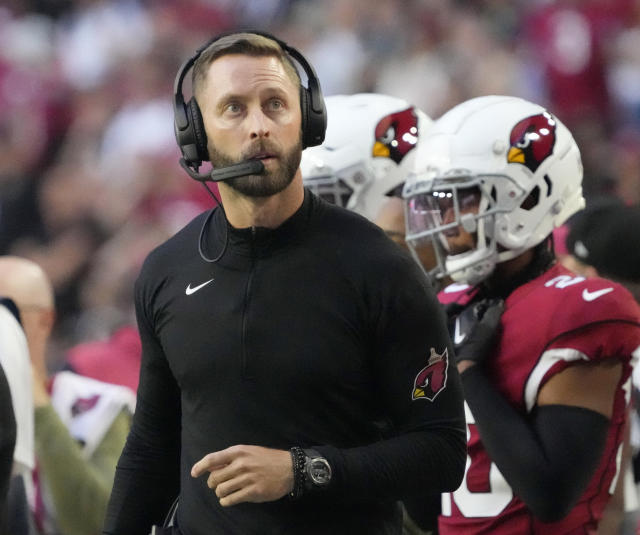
x: 368, y: 149
x: 545, y: 354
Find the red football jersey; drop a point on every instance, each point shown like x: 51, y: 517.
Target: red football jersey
x: 548, y: 323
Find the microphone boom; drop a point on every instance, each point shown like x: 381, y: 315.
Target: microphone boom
x: 249, y: 167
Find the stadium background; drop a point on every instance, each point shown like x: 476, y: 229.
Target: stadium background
x: 89, y: 179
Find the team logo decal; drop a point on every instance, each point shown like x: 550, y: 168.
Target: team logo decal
x: 396, y: 134
x: 82, y: 405
x: 532, y: 140
x: 432, y: 379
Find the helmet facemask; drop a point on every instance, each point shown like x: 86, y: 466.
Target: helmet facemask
x: 526, y: 167
x: 457, y: 216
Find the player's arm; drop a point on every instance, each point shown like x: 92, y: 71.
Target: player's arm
x: 559, y: 444
x: 557, y: 450
x: 147, y: 474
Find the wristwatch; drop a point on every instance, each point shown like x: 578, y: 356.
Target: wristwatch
x: 317, y: 470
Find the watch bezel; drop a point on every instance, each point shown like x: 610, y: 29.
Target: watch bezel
x: 317, y: 470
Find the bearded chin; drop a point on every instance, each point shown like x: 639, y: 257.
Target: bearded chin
x: 267, y: 184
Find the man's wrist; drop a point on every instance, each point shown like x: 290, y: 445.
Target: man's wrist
x: 311, y: 471
x: 298, y: 461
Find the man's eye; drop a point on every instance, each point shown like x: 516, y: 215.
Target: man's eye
x: 276, y: 104
x: 232, y: 107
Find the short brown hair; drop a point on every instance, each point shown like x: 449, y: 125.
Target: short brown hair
x: 250, y: 44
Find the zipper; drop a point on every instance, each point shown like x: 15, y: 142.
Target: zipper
x: 245, y: 311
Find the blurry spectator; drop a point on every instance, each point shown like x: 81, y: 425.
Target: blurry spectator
x: 7, y: 445
x: 97, y: 35
x: 337, y: 36
x: 604, y: 240
x: 568, y: 41
x: 80, y: 424
x: 17, y: 452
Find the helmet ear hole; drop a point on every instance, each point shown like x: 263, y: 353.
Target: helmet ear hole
x: 532, y: 199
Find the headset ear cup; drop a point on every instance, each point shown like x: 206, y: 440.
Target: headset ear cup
x: 195, y: 117
x: 304, y: 109
x: 314, y: 124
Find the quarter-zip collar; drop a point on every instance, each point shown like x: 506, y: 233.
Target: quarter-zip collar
x: 256, y: 241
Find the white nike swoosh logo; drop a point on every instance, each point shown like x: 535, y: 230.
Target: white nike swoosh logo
x: 590, y: 296
x: 455, y: 287
x: 457, y: 337
x: 193, y: 290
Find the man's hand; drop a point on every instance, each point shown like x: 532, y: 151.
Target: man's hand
x: 247, y: 474
x: 475, y: 332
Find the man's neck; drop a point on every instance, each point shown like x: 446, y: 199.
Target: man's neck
x: 269, y: 212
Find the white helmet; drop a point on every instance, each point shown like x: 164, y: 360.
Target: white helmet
x: 367, y: 151
x: 510, y: 158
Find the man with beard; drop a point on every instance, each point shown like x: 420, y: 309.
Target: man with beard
x: 295, y: 374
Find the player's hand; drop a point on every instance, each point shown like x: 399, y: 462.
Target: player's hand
x: 247, y: 474
x: 475, y: 331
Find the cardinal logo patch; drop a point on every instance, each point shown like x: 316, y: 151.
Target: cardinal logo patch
x: 432, y: 379
x: 82, y: 405
x: 532, y: 140
x: 396, y: 134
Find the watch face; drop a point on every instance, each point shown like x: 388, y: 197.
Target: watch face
x: 319, y: 471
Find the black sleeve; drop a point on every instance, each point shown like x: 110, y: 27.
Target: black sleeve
x: 7, y: 445
x: 398, y: 467
x: 147, y: 475
x: 557, y: 450
x: 426, y: 448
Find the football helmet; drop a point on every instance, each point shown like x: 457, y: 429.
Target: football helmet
x: 501, y: 169
x: 367, y: 151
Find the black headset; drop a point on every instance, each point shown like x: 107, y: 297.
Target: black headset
x: 189, y: 126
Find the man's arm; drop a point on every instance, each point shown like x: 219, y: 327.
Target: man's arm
x: 147, y: 476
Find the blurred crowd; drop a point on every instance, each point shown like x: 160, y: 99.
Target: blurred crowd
x: 89, y: 174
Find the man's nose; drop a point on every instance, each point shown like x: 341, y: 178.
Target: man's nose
x: 449, y: 216
x: 258, y: 124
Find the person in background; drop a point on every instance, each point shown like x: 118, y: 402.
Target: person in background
x: 362, y: 164
x: 367, y: 151
x: 295, y: 375
x: 545, y: 355
x: 603, y: 240
x: 80, y: 423
x: 17, y: 416
x: 7, y: 445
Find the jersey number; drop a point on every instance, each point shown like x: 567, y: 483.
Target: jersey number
x: 484, y: 492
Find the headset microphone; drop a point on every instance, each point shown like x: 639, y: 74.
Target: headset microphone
x: 249, y: 167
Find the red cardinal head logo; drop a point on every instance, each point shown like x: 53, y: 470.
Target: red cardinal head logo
x: 396, y: 134
x: 82, y: 405
x: 532, y: 140
x: 432, y: 379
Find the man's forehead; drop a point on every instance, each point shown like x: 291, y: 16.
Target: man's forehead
x: 235, y: 72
